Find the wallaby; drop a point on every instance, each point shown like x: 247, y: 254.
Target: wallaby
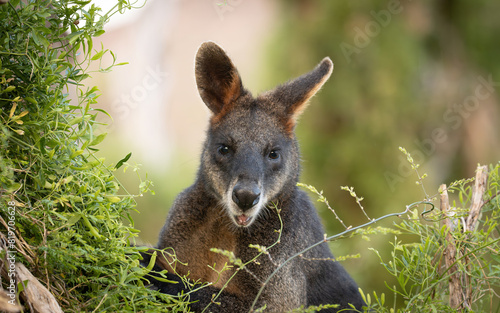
x: 249, y: 167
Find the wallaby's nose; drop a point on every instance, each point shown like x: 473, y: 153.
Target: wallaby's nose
x: 246, y: 196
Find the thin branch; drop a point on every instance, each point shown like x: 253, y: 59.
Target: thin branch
x: 322, y: 198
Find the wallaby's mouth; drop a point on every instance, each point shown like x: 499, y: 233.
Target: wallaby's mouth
x: 243, y: 220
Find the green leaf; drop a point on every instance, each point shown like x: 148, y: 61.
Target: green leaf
x: 31, y: 100
x: 113, y: 199
x: 98, y: 55
x: 125, y: 159
x: 13, y: 187
x: 20, y: 286
x: 66, y: 180
x: 76, y: 120
x: 9, y: 89
x: 74, y: 36
x: 93, y: 231
x: 99, y: 33
x: 79, y: 78
x: 74, y: 219
x: 98, y: 139
x: 40, y: 39
x: 75, y: 154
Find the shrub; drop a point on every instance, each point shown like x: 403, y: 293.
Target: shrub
x: 454, y: 264
x: 68, y: 219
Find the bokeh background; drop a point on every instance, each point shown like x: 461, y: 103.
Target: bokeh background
x: 423, y: 75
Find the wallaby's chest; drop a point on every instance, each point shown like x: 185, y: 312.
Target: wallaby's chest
x: 199, y: 261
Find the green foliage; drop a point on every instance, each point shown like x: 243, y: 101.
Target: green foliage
x: 422, y: 242
x: 72, y: 223
x: 419, y: 266
x: 426, y: 253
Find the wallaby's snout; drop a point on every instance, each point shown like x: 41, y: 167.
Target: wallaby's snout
x: 249, y: 169
x: 246, y: 195
x: 247, y: 191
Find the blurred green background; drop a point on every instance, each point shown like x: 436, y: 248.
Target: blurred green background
x: 423, y: 75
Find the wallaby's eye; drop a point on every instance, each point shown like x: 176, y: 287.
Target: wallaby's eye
x: 274, y: 155
x: 223, y: 150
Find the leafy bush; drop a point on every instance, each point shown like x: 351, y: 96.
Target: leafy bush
x: 454, y: 264
x: 71, y: 225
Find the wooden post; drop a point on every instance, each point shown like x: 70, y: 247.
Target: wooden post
x: 477, y: 202
x: 450, y: 252
x: 459, y: 283
x: 477, y: 197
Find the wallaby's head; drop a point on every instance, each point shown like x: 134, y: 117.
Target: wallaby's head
x: 250, y: 157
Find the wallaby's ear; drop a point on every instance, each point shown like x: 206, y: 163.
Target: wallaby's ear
x: 218, y: 81
x: 293, y: 96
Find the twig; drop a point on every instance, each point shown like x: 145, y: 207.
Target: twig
x: 492, y: 198
x: 358, y: 199
x: 322, y: 198
x: 100, y: 303
x: 415, y: 167
x: 19, y: 244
